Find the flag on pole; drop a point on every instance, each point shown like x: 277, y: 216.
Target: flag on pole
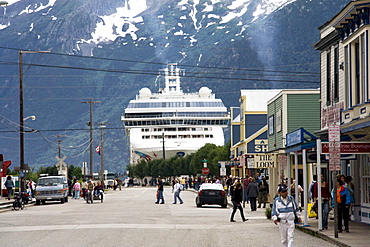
x: 97, y: 149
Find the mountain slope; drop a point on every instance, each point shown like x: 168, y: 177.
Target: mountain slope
x: 108, y: 50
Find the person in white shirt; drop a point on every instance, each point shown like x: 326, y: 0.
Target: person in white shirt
x: 284, y: 211
x: 177, y: 188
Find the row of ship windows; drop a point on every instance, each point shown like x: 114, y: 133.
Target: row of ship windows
x: 175, y: 129
x: 178, y: 121
x: 176, y: 137
x: 174, y: 104
x: 175, y: 114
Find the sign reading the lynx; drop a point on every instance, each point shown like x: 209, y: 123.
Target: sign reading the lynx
x: 264, y: 161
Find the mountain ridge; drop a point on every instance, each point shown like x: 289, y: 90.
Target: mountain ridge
x: 253, y: 51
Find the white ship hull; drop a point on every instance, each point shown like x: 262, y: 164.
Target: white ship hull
x: 150, y: 146
x: 170, y: 122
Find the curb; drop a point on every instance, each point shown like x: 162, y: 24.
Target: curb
x: 321, y: 235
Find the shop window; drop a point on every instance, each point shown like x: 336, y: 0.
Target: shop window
x: 366, y: 182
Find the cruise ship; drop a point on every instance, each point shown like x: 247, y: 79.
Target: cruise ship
x: 171, y: 122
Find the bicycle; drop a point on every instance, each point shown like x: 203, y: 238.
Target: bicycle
x: 20, y: 199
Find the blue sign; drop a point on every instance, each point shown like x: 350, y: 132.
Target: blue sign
x: 180, y: 154
x: 295, y: 137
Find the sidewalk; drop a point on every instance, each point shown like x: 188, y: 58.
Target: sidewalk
x: 358, y: 234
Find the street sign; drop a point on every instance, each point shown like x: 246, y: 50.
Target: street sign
x: 223, y: 171
x: 334, y: 133
x: 205, y: 170
x: 250, y: 163
x: 282, y: 162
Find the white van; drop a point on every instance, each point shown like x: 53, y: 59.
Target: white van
x: 51, y: 188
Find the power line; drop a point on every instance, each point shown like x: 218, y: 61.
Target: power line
x: 165, y: 64
x: 69, y: 129
x: 155, y: 73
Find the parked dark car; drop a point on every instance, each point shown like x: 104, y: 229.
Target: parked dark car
x: 211, y: 194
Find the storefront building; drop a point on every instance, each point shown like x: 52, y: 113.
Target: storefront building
x: 249, y: 132
x: 292, y: 116
x: 345, y: 94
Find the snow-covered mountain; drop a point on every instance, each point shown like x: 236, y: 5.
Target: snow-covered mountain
x: 107, y: 50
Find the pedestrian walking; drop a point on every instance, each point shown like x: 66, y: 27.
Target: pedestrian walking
x: 252, y: 192
x: 325, y: 201
x: 236, y: 199
x: 263, y: 191
x: 77, y: 189
x: 177, y: 188
x: 284, y: 211
x: 83, y: 188
x: 119, y: 181
x: 160, y: 191
x: 32, y: 187
x: 9, y: 185
x: 246, y: 183
x: 311, y: 188
x: 229, y: 182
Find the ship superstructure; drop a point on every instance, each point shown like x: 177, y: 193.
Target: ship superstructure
x: 171, y: 122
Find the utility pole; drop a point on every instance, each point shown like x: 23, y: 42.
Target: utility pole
x: 163, y: 148
x: 101, y: 173
x: 59, y: 141
x: 21, y: 119
x: 90, y: 124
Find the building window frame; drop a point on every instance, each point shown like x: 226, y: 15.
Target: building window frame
x: 328, y: 77
x: 271, y: 125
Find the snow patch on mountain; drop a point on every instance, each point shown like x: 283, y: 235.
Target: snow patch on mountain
x: 124, y: 21
x: 37, y: 7
x: 121, y: 23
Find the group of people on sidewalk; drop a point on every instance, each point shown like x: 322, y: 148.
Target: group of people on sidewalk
x: 255, y: 189
x: 345, y: 198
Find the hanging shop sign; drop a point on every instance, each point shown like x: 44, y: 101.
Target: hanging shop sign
x: 294, y: 137
x: 349, y: 147
x: 264, y: 161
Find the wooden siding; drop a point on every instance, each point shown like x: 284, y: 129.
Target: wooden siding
x: 303, y: 110
x: 275, y: 141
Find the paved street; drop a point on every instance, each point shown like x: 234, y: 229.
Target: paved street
x: 130, y: 218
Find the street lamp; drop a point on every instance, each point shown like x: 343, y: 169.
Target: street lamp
x: 32, y: 118
x: 21, y: 118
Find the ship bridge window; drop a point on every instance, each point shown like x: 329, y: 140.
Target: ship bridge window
x: 144, y: 130
x: 184, y: 136
x: 182, y: 129
x: 209, y: 136
x: 198, y: 136
x: 145, y: 137
x: 169, y: 129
